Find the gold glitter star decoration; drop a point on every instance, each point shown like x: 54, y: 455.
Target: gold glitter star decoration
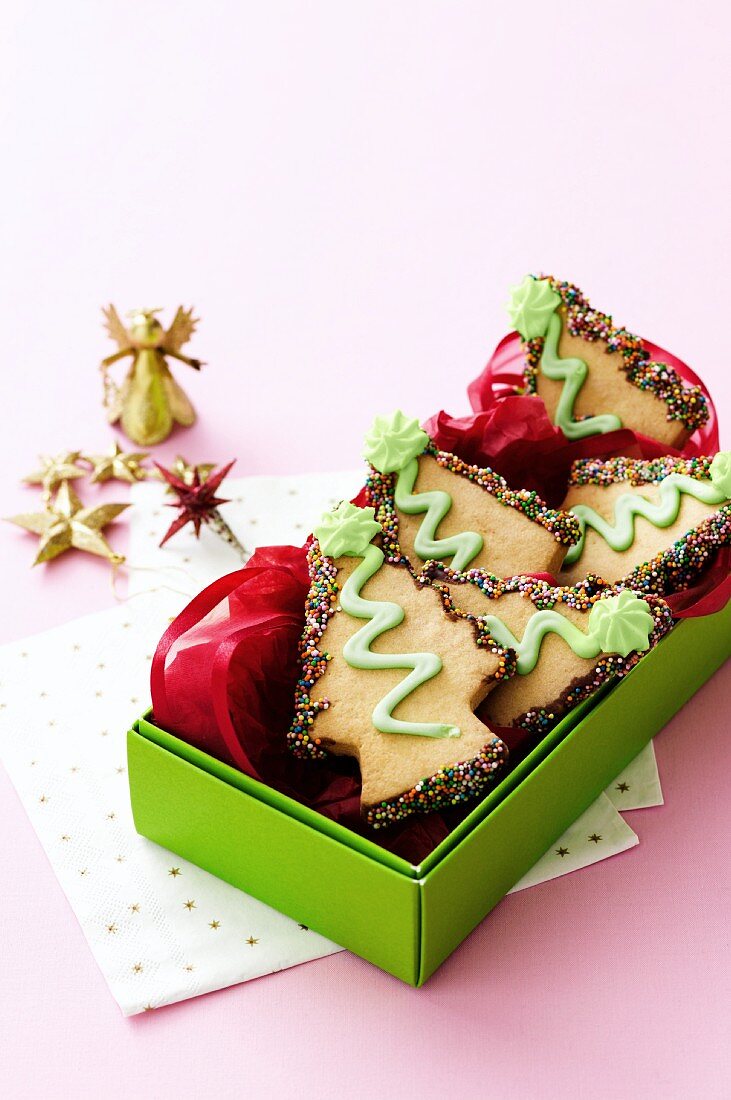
x: 67, y: 524
x: 54, y: 470
x: 116, y: 465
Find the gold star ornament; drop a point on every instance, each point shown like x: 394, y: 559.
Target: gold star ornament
x: 118, y: 466
x: 54, y: 470
x: 67, y: 524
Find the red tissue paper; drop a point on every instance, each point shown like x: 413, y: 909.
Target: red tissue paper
x: 503, y: 376
x: 223, y: 679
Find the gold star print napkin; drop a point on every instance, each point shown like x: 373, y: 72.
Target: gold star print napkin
x: 599, y: 832
x: 638, y: 786
x: 160, y: 929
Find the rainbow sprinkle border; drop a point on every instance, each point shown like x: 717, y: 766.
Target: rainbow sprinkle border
x: 688, y: 404
x: 581, y: 597
x: 675, y: 568
x: 380, y: 495
x: 449, y: 786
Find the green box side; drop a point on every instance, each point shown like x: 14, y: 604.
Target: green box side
x: 272, y: 797
x: 461, y: 889
x: 332, y: 888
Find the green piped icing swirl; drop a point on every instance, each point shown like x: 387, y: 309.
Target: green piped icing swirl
x: 622, y: 624
x: 393, y: 441
x: 344, y: 532
x: 619, y: 534
x: 347, y: 530
x: 617, y: 624
x: 532, y: 304
x: 720, y: 473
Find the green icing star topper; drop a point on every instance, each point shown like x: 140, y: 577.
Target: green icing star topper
x: 393, y: 442
x: 621, y: 624
x: 346, y: 530
x: 532, y: 304
x: 720, y: 473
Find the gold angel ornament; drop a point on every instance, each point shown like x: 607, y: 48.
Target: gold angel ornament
x: 149, y: 401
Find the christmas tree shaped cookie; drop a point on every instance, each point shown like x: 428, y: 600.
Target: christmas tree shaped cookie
x: 654, y: 525
x: 389, y: 679
x: 565, y: 641
x: 593, y: 377
x: 432, y: 505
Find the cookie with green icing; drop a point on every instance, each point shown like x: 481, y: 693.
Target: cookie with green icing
x: 434, y: 506
x: 652, y: 524
x: 391, y: 680
x: 594, y: 377
x: 566, y: 641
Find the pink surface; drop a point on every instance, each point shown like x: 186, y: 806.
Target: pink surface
x: 345, y: 193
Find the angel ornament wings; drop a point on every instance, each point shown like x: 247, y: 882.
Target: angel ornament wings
x: 149, y: 401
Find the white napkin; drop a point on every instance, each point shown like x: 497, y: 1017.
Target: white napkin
x: 638, y: 786
x: 160, y: 929
x: 600, y: 832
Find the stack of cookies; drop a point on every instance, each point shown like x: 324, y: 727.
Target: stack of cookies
x: 431, y: 601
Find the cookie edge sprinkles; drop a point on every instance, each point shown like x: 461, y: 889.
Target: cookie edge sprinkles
x: 450, y: 786
x: 678, y: 566
x: 380, y: 495
x: 581, y: 597
x: 637, y: 471
x: 685, y: 403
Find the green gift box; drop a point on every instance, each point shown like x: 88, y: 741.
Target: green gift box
x: 407, y: 919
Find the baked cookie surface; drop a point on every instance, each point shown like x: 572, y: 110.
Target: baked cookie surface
x: 648, y: 522
x: 594, y: 377
x: 567, y: 641
x: 390, y: 679
x: 434, y: 506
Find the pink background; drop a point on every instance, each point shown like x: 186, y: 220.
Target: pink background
x: 345, y: 192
